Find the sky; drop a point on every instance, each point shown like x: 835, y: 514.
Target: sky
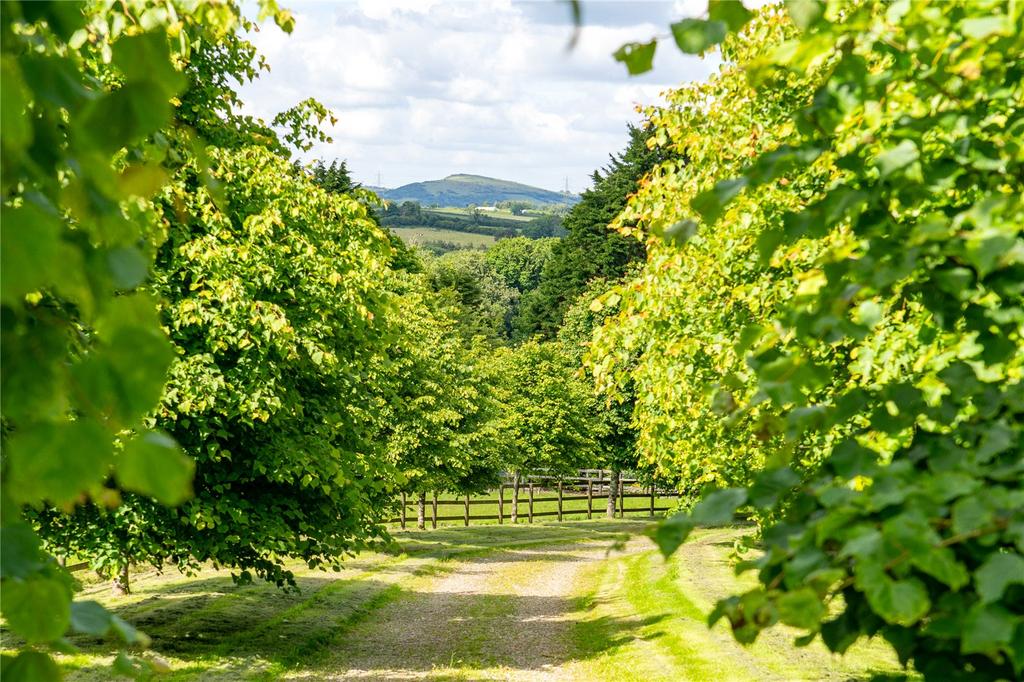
x: 423, y: 89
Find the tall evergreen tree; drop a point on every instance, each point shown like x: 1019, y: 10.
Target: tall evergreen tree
x: 590, y: 249
x: 334, y: 178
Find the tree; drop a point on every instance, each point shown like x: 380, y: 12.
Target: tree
x: 276, y: 306
x: 590, y: 249
x: 84, y: 357
x: 437, y: 409
x: 548, y: 412
x: 617, y: 438
x: 334, y: 178
x: 519, y: 261
x: 485, y: 301
x: 885, y: 241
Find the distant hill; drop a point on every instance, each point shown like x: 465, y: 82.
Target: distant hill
x: 463, y: 190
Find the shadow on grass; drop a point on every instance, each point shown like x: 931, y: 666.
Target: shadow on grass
x: 256, y: 632
x: 214, y: 628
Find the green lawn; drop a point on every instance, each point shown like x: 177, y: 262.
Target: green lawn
x: 486, y: 504
x: 419, y: 235
x: 584, y: 600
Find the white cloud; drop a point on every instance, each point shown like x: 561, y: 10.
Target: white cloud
x: 423, y: 89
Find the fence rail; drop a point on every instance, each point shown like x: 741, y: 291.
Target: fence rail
x: 596, y: 482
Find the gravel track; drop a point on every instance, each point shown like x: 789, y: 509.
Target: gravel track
x: 506, y: 615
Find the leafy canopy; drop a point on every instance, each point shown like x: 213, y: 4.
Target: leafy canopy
x: 864, y: 313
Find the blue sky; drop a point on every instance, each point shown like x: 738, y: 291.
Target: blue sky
x: 424, y: 88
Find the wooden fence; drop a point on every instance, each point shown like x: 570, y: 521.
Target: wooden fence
x: 593, y: 484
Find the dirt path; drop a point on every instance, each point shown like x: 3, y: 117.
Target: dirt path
x: 505, y: 615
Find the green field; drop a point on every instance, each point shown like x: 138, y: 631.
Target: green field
x: 420, y: 235
x: 585, y: 600
x: 499, y: 213
x: 486, y: 504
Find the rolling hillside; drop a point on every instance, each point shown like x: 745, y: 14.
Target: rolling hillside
x: 463, y: 190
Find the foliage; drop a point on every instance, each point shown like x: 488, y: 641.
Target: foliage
x: 548, y: 412
x: 862, y: 255
x: 519, y: 261
x: 334, y: 178
x: 486, y: 303
x: 275, y: 304
x: 437, y: 412
x: 673, y: 342
x: 617, y: 437
x: 409, y: 213
x: 590, y: 249
x: 86, y: 92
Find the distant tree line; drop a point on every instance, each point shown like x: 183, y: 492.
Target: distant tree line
x: 411, y: 214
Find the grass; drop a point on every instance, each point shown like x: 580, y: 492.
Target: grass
x: 419, y: 235
x: 486, y: 602
x: 499, y: 213
x: 486, y: 504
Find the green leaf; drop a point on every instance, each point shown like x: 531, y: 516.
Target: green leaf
x: 985, y: 248
x: 124, y: 116
x: 128, y: 267
x: 980, y: 28
x: 987, y: 628
x: 672, y: 532
x: 970, y: 514
x: 152, y: 464
x: 38, y: 609
x: 770, y: 485
x: 125, y: 378
x: 850, y: 459
x: 638, y: 57
x: 56, y: 462
x: 31, y: 666
x: 694, y: 36
x: 127, y: 632
x: 801, y: 608
x: 897, y: 158
x: 28, y: 250
x: 732, y: 13
x: 711, y: 203
x: 719, y: 507
x: 805, y: 13
x: 941, y: 564
x: 90, y: 618
x: 680, y: 232
x: 14, y: 99
x: 997, y: 573
x: 146, y: 58
x: 20, y: 551
x: 869, y: 313
x: 903, y: 602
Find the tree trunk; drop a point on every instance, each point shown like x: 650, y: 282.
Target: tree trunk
x: 421, y: 511
x: 515, y: 496
x: 119, y: 585
x: 613, y: 490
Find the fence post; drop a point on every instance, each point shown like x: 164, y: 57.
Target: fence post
x: 590, y: 499
x: 611, y: 491
x: 559, y: 500
x: 501, y: 503
x: 466, y: 515
x: 402, y: 517
x: 652, y: 499
x: 622, y: 499
x: 433, y: 518
x: 515, y: 497
x: 531, y: 501
x: 421, y: 503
